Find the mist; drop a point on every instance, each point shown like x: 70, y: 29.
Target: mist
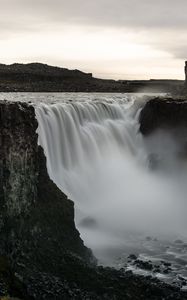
x: 121, y: 182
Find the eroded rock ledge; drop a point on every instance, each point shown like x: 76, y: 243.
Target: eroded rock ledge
x: 41, y: 253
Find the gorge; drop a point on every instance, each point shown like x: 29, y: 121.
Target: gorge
x: 117, y: 178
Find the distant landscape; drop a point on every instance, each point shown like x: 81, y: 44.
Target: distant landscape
x: 38, y: 77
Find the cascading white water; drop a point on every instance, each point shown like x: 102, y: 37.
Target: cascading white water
x: 97, y: 156
x: 80, y: 134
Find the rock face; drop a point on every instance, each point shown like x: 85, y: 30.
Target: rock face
x: 41, y: 253
x: 37, y: 229
x: 160, y: 113
x: 18, y: 158
x: 27, y: 193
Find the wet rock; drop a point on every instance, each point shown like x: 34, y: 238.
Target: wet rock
x: 145, y: 265
x: 156, y: 269
x: 132, y: 257
x: 167, y: 271
x: 167, y: 264
x: 182, y: 280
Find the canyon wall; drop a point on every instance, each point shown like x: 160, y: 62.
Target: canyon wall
x: 37, y: 229
x: 41, y: 253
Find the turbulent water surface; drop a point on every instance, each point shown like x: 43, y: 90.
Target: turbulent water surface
x: 129, y: 191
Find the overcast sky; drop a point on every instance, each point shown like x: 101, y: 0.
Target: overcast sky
x: 113, y: 39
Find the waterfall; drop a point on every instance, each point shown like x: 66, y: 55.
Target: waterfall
x: 97, y: 156
x: 73, y: 134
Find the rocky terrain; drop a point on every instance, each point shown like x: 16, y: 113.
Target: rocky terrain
x: 41, y: 253
x: 37, y: 77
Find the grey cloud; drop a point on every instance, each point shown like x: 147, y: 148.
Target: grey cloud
x: 173, y: 41
x: 163, y: 20
x: 141, y: 13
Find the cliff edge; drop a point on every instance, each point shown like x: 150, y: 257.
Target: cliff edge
x: 163, y: 113
x: 37, y: 229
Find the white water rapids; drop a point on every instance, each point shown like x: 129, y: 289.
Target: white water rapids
x: 97, y: 156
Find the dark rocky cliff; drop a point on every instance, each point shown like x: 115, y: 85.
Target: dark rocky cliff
x: 163, y: 113
x: 37, y: 229
x: 41, y: 253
